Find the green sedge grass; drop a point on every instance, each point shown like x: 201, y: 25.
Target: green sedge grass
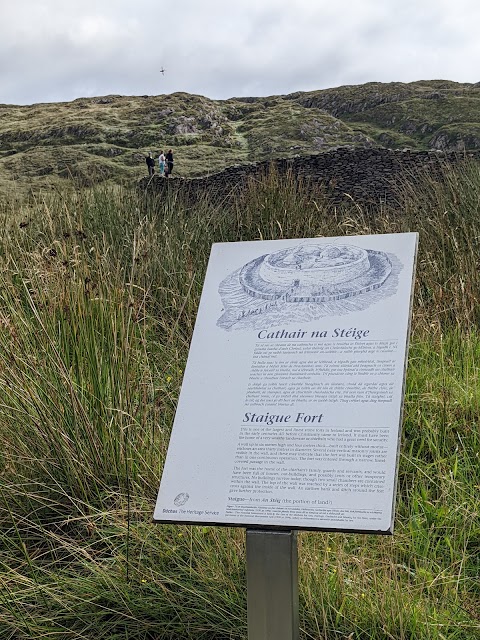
x: 99, y: 292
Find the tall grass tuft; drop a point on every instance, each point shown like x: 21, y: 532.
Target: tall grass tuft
x: 99, y: 291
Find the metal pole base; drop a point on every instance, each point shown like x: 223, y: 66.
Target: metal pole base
x: 272, y: 585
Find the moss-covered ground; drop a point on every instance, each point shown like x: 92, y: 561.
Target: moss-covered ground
x: 105, y: 140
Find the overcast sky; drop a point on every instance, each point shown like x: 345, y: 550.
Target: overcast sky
x: 59, y: 50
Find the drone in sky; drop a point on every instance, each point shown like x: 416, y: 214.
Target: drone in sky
x: 162, y: 71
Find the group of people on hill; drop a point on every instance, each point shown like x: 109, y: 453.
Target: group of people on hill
x: 165, y: 164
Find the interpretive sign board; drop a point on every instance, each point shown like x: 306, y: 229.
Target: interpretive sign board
x: 290, y: 409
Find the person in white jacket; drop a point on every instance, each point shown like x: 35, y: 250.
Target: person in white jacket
x: 161, y: 163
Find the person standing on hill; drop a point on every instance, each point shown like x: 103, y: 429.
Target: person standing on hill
x: 161, y: 163
x: 150, y: 164
x: 169, y: 159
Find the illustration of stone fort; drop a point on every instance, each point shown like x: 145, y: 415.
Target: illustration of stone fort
x: 304, y: 282
x: 313, y: 273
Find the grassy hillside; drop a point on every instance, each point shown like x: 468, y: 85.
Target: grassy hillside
x: 105, y: 139
x: 99, y: 295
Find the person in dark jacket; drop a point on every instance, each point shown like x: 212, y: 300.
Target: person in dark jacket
x: 150, y: 164
x: 169, y: 159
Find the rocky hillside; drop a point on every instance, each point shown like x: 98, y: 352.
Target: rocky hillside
x: 97, y: 139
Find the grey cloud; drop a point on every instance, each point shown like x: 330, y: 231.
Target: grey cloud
x: 222, y: 49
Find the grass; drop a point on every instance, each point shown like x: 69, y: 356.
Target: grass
x: 104, y: 140
x: 99, y: 291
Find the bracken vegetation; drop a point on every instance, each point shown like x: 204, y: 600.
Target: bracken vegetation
x: 105, y: 139
x: 99, y: 291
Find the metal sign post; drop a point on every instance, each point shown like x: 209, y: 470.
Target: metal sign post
x: 272, y: 585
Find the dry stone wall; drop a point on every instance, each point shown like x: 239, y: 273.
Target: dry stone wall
x: 367, y: 176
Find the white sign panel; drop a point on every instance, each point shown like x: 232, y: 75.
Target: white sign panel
x: 290, y: 409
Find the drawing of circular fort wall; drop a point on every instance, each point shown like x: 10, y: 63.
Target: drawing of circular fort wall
x: 314, y: 285
x: 312, y: 274
x: 325, y: 276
